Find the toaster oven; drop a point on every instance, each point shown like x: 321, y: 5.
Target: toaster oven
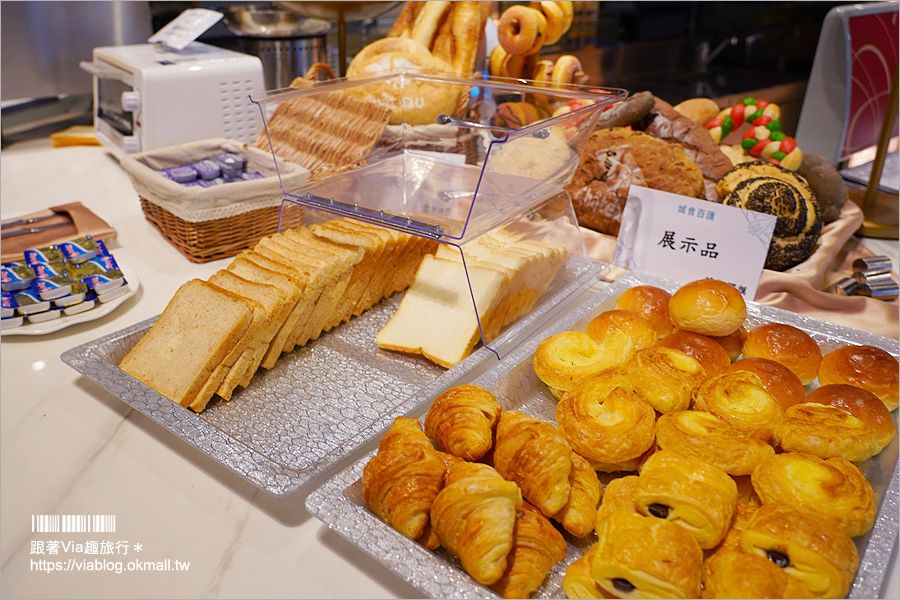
x: 148, y: 97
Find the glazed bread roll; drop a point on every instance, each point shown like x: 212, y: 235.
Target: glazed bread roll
x: 650, y: 302
x: 606, y: 422
x: 534, y: 454
x: 788, y: 345
x: 690, y: 493
x: 704, y: 349
x: 704, y: 436
x: 579, y: 513
x: 822, y: 558
x: 741, y: 399
x: 868, y: 367
x: 461, y: 421
x: 564, y: 359
x: 708, y: 307
x: 646, y: 557
x: 778, y: 380
x: 611, y: 322
x: 664, y: 377
x: 833, y: 488
x: 859, y: 403
x: 826, y: 432
x: 733, y: 343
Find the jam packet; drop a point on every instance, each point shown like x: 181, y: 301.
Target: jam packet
x: 15, y: 277
x: 30, y: 303
x: 80, y: 250
x: 9, y: 305
x: 47, y: 254
x: 101, y: 274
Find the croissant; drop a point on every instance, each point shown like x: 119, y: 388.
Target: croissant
x: 822, y: 558
x: 833, y: 488
x: 537, y: 548
x: 665, y: 377
x: 401, y: 481
x: 579, y: 513
x: 474, y: 518
x: 564, y: 359
x: 607, y: 423
x: 711, y: 439
x: 697, y: 496
x: 534, y: 454
x: 461, y: 421
x: 645, y: 557
x: 741, y: 399
x: 578, y: 580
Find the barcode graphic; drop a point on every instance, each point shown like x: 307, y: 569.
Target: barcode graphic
x: 73, y: 523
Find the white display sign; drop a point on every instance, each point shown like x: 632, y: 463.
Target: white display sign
x: 685, y: 239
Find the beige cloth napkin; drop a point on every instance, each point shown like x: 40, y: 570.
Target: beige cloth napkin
x: 801, y: 289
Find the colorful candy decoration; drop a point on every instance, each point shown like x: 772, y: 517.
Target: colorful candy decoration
x: 764, y: 139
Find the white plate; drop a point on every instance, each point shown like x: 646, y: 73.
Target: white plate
x: 132, y: 285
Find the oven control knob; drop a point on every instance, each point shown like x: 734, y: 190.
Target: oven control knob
x: 131, y: 101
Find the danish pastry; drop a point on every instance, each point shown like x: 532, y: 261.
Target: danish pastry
x: 607, y: 423
x: 401, y: 481
x: 788, y: 345
x: 741, y: 399
x: 778, y: 380
x: 650, y: 302
x: 645, y: 557
x: 474, y: 517
x: 609, y: 323
x: 537, y: 547
x: 861, y: 404
x: 704, y: 349
x: 579, y: 513
x: 738, y: 574
x: 534, y: 454
x: 826, y: 432
x: 822, y: 558
x: 704, y: 436
x: 461, y: 421
x: 692, y: 494
x: 618, y: 495
x: 664, y: 377
x: 708, y: 307
x: 834, y: 488
x: 868, y: 367
x: 564, y: 359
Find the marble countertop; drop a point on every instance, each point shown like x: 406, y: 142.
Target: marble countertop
x: 69, y: 447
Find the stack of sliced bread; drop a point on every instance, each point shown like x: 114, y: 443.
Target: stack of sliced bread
x: 436, y: 318
x: 281, y: 294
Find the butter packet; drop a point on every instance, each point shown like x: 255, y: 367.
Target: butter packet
x: 9, y: 306
x: 101, y: 274
x: 29, y: 303
x: 47, y: 315
x: 80, y: 250
x: 47, y: 254
x: 15, y: 277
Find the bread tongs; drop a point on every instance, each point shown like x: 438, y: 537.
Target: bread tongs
x: 448, y: 120
x: 24, y: 230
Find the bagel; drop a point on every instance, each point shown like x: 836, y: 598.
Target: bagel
x: 522, y: 30
x: 567, y: 70
x: 504, y: 64
x: 556, y: 20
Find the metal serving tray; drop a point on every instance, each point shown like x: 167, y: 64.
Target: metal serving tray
x: 319, y: 403
x: 339, y: 504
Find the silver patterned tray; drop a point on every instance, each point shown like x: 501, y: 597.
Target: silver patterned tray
x: 319, y: 403
x: 339, y: 504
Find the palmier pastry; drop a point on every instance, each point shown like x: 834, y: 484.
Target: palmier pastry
x: 788, y: 345
x: 537, y: 547
x: 618, y: 495
x: 578, y: 580
x: 798, y: 222
x: 859, y: 403
x: 826, y: 432
x: 650, y: 302
x: 685, y: 491
x: 461, y: 421
x: 741, y: 399
x: 580, y: 511
x: 564, y: 359
x: 401, y: 481
x: 822, y: 558
x: 778, y: 380
x: 534, y: 454
x: 646, y: 557
x: 474, y: 517
x: 738, y: 574
x: 704, y: 436
x: 607, y: 423
x: 701, y: 348
x: 708, y: 307
x: 611, y: 322
x: 664, y: 377
x: 868, y: 367
x: 833, y: 488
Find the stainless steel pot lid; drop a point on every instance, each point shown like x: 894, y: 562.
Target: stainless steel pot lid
x: 249, y: 22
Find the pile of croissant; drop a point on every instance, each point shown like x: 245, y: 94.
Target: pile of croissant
x: 723, y: 476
